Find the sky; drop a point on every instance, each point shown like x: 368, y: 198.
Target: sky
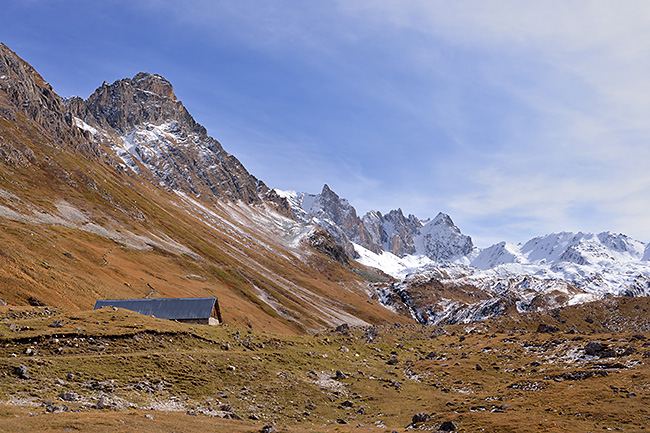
x: 516, y: 118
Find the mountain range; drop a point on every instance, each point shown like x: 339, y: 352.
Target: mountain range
x: 124, y: 194
x: 554, y: 270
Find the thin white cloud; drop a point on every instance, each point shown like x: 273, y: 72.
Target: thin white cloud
x: 587, y: 148
x: 565, y: 145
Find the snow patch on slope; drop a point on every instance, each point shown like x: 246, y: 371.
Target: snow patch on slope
x: 398, y: 267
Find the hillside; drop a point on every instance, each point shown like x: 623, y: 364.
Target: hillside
x: 583, y: 368
x: 124, y: 195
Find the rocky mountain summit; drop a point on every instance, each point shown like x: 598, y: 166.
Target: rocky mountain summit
x: 150, y: 130
x: 136, y: 124
x: 334, y: 214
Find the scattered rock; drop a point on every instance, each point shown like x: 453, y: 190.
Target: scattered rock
x: 102, y: 403
x: 57, y: 408
x: 149, y: 416
x: 21, y: 371
x: 392, y: 361
x: 68, y: 396
x: 395, y: 384
x: 56, y: 324
x: 342, y: 329
x: 371, y: 334
x: 545, y: 328
x: 448, y: 426
x: 629, y: 351
x: 601, y: 350
x: 431, y: 355
x: 339, y: 375
x: 420, y: 417
x: 479, y: 367
x: 35, y: 302
x: 268, y: 429
x: 576, y: 375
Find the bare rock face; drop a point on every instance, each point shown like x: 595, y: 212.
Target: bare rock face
x: 403, y: 230
x: 439, y: 239
x: 336, y: 215
x: 343, y: 216
x: 25, y: 96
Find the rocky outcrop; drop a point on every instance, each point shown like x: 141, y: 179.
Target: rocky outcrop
x: 451, y: 295
x: 136, y: 123
x: 323, y: 242
x: 341, y: 217
x: 334, y: 214
x: 393, y: 232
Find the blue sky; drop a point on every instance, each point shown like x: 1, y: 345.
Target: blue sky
x: 516, y: 118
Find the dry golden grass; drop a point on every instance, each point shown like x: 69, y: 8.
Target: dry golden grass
x: 528, y: 381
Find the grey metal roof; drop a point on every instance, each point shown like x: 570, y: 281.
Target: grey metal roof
x: 164, y: 308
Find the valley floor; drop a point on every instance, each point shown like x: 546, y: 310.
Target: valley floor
x: 113, y: 370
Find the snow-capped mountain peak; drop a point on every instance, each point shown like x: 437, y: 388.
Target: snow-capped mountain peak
x: 441, y: 240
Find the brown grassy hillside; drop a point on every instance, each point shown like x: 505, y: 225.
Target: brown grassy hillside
x: 112, y: 369
x: 75, y: 226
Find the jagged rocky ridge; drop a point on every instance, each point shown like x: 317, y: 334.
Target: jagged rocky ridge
x: 445, y: 279
x: 438, y: 239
